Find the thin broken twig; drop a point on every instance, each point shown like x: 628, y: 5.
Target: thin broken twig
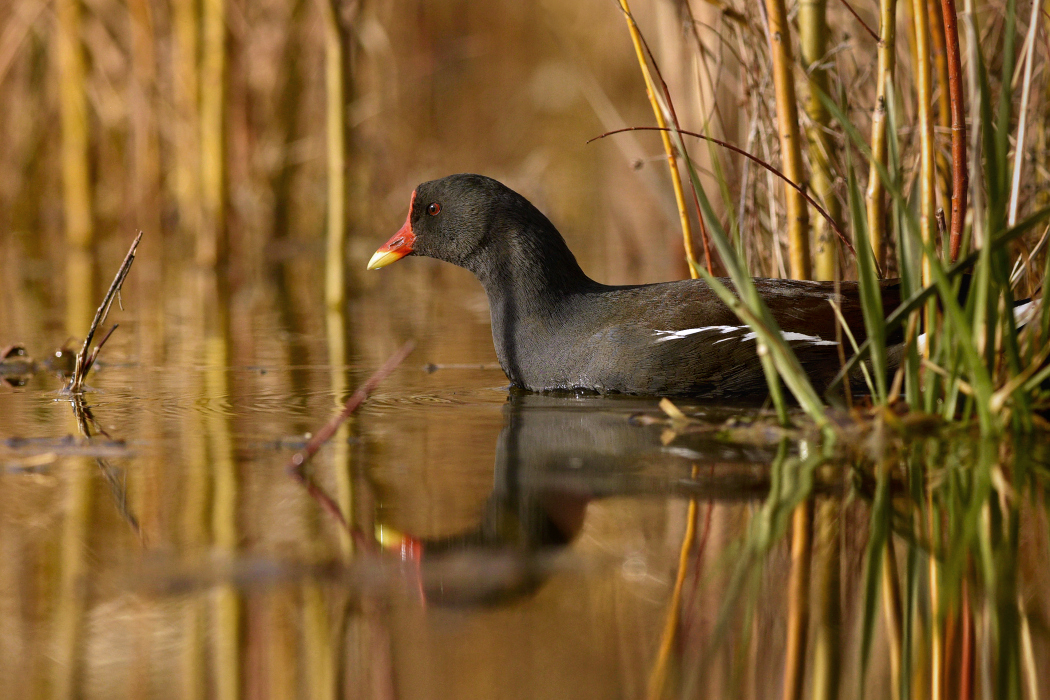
x: 83, y: 363
x: 298, y: 461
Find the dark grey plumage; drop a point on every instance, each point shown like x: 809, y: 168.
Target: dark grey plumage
x: 554, y: 328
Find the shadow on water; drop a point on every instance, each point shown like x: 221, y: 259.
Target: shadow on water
x: 554, y: 456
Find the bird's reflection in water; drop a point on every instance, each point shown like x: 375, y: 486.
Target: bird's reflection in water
x: 553, y: 456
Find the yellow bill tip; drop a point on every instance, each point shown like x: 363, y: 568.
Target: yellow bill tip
x: 382, y: 258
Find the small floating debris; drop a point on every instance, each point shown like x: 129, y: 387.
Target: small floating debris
x: 432, y: 367
x: 69, y: 445
x: 17, y: 366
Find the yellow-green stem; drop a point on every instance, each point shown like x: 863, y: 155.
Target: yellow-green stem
x: 798, y: 600
x: 876, y: 193
x: 813, y: 40
x: 944, y: 114
x: 937, y: 687
x: 891, y: 610
x: 210, y: 243
x: 658, y: 677
x: 76, y: 182
x: 661, y: 120
x: 790, y: 139
x: 186, y: 158
x: 335, y: 80
x: 927, y: 173
x: 924, y: 99
x: 827, y: 636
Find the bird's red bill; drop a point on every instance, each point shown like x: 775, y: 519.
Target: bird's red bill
x: 399, y: 245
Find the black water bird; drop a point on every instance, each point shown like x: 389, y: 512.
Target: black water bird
x: 556, y: 329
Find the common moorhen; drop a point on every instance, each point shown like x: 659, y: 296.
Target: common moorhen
x: 555, y: 328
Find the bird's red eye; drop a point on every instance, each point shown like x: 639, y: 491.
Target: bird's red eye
x: 433, y: 208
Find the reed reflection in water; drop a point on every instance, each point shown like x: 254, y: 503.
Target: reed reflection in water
x: 548, y: 528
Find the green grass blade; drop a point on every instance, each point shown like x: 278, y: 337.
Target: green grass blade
x: 914, y: 302
x: 750, y: 308
x: 878, y: 536
x: 870, y: 289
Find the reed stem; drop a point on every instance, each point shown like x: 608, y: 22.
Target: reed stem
x: 960, y: 166
x: 827, y: 636
x: 76, y: 179
x: 211, y: 237
x: 876, y: 193
x: 800, y: 266
x: 658, y: 677
x: 186, y: 158
x: 813, y: 40
x: 672, y: 159
x: 1022, y: 115
x: 940, y: 67
x: 891, y: 611
x: 798, y: 600
x: 335, y: 118
x: 927, y: 168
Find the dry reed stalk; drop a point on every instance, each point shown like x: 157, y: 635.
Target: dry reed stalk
x: 1043, y: 174
x: 827, y: 637
x: 211, y: 236
x: 937, y: 616
x: 876, y: 192
x: 1022, y: 115
x: 798, y: 600
x: 69, y: 589
x: 225, y: 604
x: 813, y: 40
x: 75, y: 157
x: 146, y: 160
x: 891, y: 612
x: 288, y: 103
x: 75, y: 139
x: 790, y: 139
x: 338, y: 359
x: 960, y: 166
x: 186, y: 153
x: 940, y: 66
x: 336, y: 47
x: 966, y: 650
x: 145, y: 186
x: 672, y: 159
x: 924, y: 99
x: 1029, y: 666
x: 658, y: 677
x: 974, y: 164
x: 800, y: 268
x: 320, y: 660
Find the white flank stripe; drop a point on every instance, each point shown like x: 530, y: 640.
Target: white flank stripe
x: 790, y: 337
x: 1026, y: 312
x: 1022, y: 314
x: 811, y: 339
x: 678, y: 335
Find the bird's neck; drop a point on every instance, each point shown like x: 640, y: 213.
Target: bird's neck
x: 530, y: 283
x: 531, y: 273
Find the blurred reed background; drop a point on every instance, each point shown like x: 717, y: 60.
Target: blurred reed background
x: 207, y: 124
